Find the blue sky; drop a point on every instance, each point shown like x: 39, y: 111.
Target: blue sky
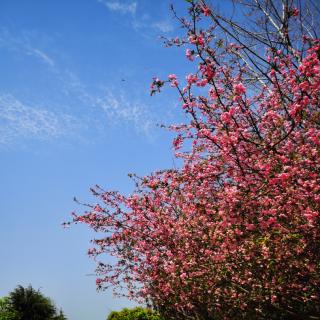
x: 75, y: 111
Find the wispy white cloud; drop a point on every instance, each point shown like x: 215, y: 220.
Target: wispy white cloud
x: 163, y: 26
x: 115, y: 106
x: 120, y: 6
x: 122, y: 110
x: 23, y: 44
x: 40, y: 55
x: 18, y: 119
x: 139, y: 21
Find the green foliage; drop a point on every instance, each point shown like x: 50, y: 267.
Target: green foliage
x: 30, y: 304
x: 137, y: 313
x: 6, y: 310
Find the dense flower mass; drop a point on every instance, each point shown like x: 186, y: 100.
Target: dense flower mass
x: 233, y: 233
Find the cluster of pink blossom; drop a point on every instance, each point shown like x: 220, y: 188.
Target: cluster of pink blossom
x: 236, y: 229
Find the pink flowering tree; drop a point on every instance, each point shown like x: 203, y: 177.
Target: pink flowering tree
x: 235, y: 232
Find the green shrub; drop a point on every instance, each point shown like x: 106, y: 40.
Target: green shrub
x: 6, y: 310
x: 137, y: 313
x: 28, y: 304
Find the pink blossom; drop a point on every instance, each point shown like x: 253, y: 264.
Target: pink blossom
x: 239, y: 88
x: 206, y: 11
x: 189, y: 54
